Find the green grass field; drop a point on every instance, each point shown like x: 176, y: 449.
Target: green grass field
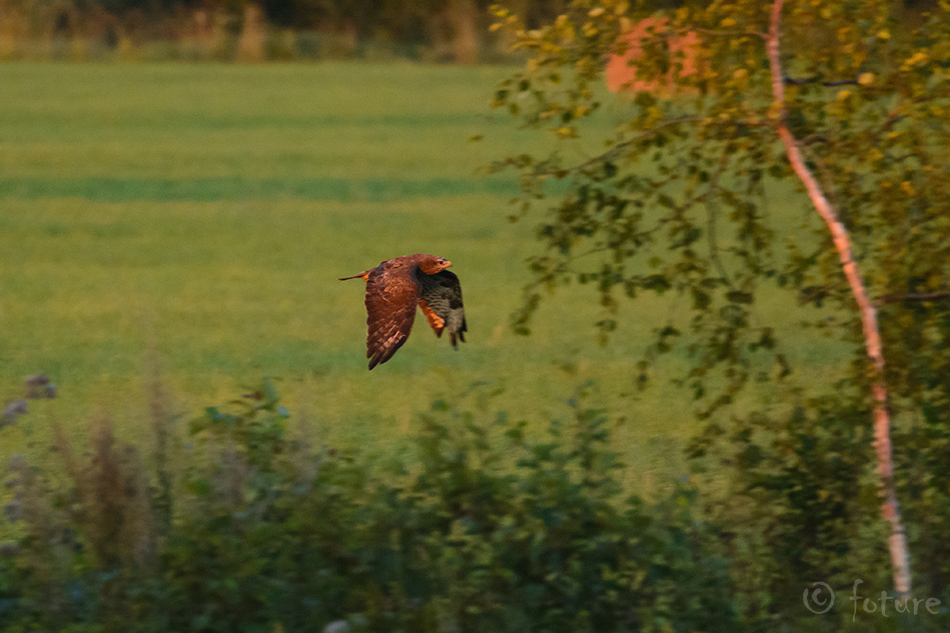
x: 205, y: 212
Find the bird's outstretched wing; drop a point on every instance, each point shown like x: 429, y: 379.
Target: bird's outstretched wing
x: 441, y: 302
x: 391, y: 298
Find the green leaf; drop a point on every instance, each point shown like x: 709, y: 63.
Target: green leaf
x: 701, y: 300
x: 737, y: 296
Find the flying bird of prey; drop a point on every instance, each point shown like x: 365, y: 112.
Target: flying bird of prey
x: 395, y: 288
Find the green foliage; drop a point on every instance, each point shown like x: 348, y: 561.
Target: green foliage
x: 922, y: 466
x: 258, y: 427
x: 680, y: 203
x: 802, y: 506
x: 490, y: 526
x: 551, y: 546
x: 495, y: 531
x: 801, y: 502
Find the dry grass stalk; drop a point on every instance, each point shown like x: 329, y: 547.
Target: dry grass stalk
x: 112, y: 506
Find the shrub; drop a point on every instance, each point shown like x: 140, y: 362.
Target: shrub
x: 493, y: 531
x: 489, y: 527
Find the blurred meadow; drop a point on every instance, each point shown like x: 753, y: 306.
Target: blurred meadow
x: 196, y: 218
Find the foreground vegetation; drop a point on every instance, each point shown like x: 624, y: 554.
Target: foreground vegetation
x: 239, y: 524
x: 257, y: 530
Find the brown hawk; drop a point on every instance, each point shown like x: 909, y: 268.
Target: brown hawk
x: 395, y: 288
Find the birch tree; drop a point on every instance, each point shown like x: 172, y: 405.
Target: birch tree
x: 850, y: 102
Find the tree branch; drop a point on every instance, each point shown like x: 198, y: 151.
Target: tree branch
x: 728, y: 33
x: 791, y: 81
x: 616, y: 149
x: 922, y: 296
x: 890, y: 510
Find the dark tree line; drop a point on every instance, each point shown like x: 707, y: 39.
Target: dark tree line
x: 443, y: 30
x: 440, y: 30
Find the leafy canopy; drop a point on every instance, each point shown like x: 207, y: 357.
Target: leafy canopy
x: 677, y: 199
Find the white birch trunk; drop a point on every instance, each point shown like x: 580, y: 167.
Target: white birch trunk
x: 890, y: 509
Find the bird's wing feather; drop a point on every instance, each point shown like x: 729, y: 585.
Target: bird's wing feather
x: 441, y: 302
x: 391, y: 298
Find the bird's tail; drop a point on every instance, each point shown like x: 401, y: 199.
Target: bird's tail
x: 363, y: 275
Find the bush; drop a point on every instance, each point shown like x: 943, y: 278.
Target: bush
x: 803, y: 507
x: 494, y: 531
x: 487, y: 528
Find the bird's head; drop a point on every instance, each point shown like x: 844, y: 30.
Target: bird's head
x: 432, y: 265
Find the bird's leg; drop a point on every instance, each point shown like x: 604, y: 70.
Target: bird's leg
x: 436, y: 322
